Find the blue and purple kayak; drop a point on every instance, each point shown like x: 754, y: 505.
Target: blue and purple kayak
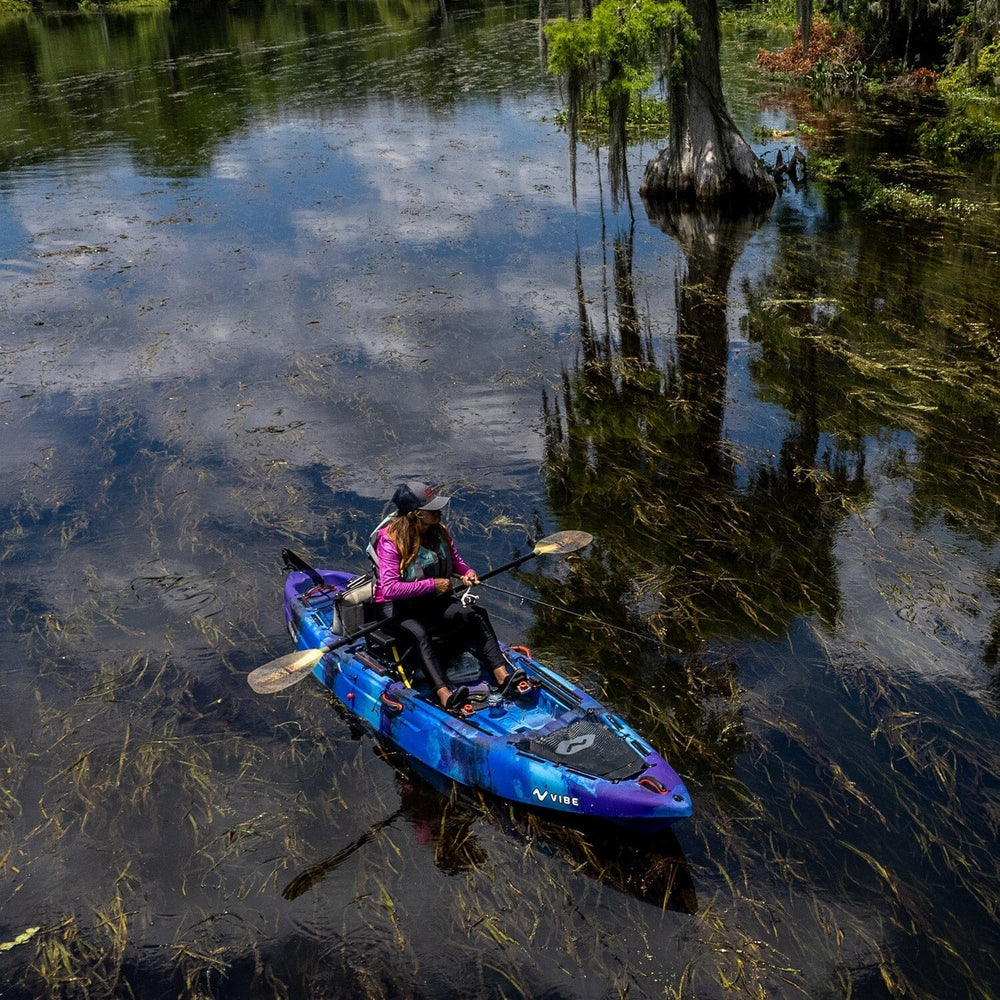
x: 555, y: 748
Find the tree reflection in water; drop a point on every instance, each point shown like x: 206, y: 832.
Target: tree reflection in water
x: 695, y: 540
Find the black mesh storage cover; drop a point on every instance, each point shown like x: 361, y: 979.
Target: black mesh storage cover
x: 589, y: 746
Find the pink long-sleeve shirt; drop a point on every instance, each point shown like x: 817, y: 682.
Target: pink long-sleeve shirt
x: 390, y: 587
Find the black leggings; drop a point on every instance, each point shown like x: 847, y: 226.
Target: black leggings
x: 427, y: 619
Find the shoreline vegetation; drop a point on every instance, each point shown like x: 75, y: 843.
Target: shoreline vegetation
x: 962, y: 126
x: 22, y: 8
x: 837, y: 63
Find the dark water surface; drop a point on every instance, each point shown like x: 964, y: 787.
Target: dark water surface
x: 259, y: 265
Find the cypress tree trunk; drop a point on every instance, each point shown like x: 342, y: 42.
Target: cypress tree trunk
x: 804, y: 12
x: 707, y: 159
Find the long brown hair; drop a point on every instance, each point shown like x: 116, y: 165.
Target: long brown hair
x: 405, y: 533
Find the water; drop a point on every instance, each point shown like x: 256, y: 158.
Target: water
x: 256, y: 267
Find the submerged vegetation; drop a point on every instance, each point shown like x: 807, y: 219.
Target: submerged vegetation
x: 880, y: 198
x: 783, y: 430
x: 699, y: 537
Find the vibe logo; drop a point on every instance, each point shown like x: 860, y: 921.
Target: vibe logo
x: 569, y: 747
x: 559, y: 800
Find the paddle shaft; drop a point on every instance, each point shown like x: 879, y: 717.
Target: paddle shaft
x: 513, y: 564
x: 375, y: 626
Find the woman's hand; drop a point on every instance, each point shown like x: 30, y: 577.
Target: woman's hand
x: 470, y: 578
x: 442, y: 585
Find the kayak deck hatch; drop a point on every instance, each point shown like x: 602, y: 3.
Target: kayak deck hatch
x: 590, y: 747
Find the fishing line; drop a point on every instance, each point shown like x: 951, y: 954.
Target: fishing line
x: 575, y: 614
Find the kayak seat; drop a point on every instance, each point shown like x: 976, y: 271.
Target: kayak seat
x: 354, y: 607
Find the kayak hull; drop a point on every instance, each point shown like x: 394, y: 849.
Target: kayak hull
x: 556, y: 749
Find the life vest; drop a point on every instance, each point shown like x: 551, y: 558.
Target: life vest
x: 428, y: 562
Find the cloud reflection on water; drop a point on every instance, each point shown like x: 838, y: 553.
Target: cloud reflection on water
x: 389, y: 285
x: 217, y: 362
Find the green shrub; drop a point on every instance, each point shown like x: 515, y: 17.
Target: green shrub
x: 989, y: 63
x: 970, y: 130
x: 877, y: 199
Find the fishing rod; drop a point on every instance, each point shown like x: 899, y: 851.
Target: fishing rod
x: 588, y: 616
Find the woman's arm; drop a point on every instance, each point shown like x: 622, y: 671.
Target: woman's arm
x: 390, y: 587
x: 460, y: 567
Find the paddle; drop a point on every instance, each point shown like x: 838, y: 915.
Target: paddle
x: 292, y: 667
x: 559, y: 544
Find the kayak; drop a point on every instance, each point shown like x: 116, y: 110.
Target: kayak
x: 553, y: 748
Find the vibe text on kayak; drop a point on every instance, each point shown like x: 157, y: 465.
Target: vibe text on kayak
x: 560, y: 800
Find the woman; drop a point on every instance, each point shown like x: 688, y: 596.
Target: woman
x: 415, y: 560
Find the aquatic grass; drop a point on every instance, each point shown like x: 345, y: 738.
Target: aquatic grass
x: 13, y: 766
x: 198, y: 967
x: 792, y: 913
x: 141, y: 754
x: 926, y: 772
x: 928, y: 379
x: 63, y: 954
x: 505, y: 912
x: 880, y: 196
x: 70, y: 961
x: 841, y: 797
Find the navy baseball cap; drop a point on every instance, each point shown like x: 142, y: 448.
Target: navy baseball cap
x: 417, y: 496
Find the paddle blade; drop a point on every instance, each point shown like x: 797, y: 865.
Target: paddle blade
x: 284, y: 671
x: 562, y: 542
